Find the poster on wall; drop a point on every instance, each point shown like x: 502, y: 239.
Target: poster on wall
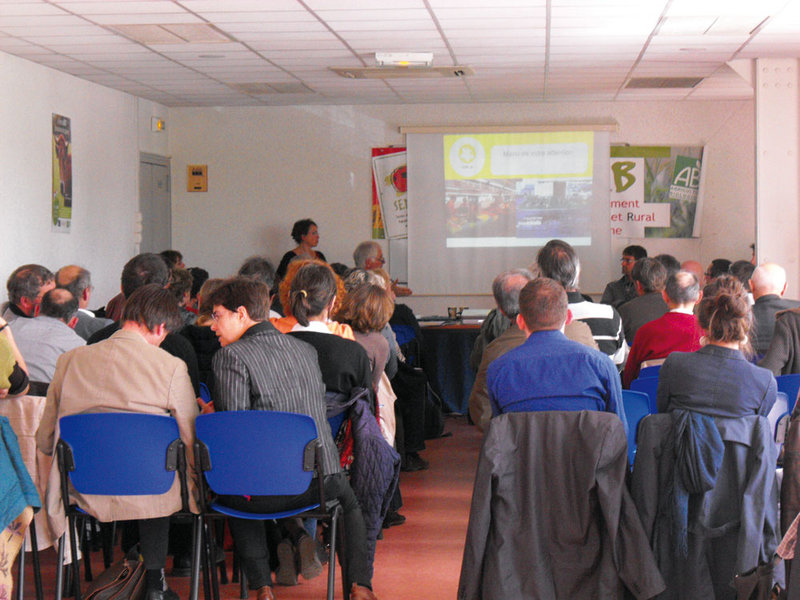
x: 656, y: 191
x: 62, y: 174
x: 389, y: 194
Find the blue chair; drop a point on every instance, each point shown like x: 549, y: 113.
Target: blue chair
x: 778, y: 410
x: 648, y: 372
x: 637, y: 407
x: 789, y: 385
x: 283, y: 463
x: 120, y: 454
x: 649, y: 386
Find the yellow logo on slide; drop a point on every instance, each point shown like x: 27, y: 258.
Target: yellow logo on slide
x: 467, y: 157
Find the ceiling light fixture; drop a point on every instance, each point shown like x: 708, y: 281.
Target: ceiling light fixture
x: 404, y: 59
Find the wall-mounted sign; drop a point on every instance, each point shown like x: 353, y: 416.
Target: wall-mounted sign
x: 61, y: 200
x: 197, y: 178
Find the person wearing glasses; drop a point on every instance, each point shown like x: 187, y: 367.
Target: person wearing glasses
x: 369, y: 255
x: 619, y: 291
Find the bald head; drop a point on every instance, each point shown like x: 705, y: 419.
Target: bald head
x: 78, y: 281
x: 59, y: 304
x: 506, y: 288
x: 682, y: 290
x: 768, y: 278
x: 695, y: 268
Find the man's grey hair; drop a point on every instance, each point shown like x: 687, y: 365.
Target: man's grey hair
x: 357, y: 277
x: 80, y: 282
x: 506, y: 288
x: 557, y: 260
x: 26, y: 281
x: 364, y: 251
x: 682, y: 287
x: 258, y: 268
x: 59, y: 303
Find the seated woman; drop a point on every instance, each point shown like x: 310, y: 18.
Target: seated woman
x: 306, y: 235
x: 285, y: 324
x: 367, y: 309
x: 346, y: 372
x: 718, y: 380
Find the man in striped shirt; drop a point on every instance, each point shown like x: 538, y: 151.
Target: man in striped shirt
x: 558, y: 260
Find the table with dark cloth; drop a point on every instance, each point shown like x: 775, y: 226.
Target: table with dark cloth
x: 445, y: 359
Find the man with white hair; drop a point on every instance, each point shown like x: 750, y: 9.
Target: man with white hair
x: 768, y: 284
x: 369, y: 255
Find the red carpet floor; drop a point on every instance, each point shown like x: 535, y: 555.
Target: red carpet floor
x: 419, y: 559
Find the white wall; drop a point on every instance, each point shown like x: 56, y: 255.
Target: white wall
x: 105, y: 160
x: 269, y: 166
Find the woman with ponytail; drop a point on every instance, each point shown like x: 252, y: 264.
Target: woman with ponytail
x: 719, y: 380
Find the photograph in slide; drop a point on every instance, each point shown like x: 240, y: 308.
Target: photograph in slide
x: 518, y: 189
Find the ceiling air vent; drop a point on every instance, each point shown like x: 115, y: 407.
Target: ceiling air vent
x: 261, y: 89
x: 403, y: 72
x: 655, y: 83
x: 175, y: 33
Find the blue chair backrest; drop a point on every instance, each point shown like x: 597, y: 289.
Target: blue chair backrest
x: 649, y: 386
x: 205, y: 393
x: 637, y: 407
x: 780, y: 408
x: 790, y: 385
x: 403, y: 333
x: 257, y: 452
x: 649, y: 372
x: 120, y: 454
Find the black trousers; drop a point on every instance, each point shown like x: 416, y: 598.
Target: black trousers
x: 250, y: 538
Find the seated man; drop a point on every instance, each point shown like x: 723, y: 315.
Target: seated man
x: 618, y: 292
x: 677, y: 330
x: 258, y: 368
x: 506, y: 288
x: 649, y: 277
x: 79, y: 283
x: 44, y: 339
x: 26, y: 285
x: 558, y: 260
x: 126, y: 373
x: 768, y: 284
x: 548, y: 371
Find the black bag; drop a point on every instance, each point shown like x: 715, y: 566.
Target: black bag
x: 757, y: 583
x: 124, y: 580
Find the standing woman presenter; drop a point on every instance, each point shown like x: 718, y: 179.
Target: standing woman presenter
x: 306, y: 234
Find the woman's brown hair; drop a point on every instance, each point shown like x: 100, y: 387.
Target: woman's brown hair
x: 367, y: 308
x: 724, y: 312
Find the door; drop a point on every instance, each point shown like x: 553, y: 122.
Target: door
x: 155, y: 203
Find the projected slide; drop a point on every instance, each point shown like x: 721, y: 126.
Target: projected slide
x: 518, y: 189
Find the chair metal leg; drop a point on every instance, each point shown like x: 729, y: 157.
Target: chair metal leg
x: 332, y: 559
x: 107, y: 531
x: 76, y: 568
x: 60, y: 567
x: 37, y: 568
x: 21, y: 573
x: 242, y: 584
x: 85, y: 544
x: 197, y: 540
x: 211, y: 553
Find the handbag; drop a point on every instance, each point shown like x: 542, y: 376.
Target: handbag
x: 123, y: 580
x: 757, y: 583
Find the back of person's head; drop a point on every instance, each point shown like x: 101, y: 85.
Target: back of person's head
x: 300, y: 228
x: 682, y: 288
x: 74, y: 278
x: 634, y: 251
x: 313, y: 289
x: 743, y: 271
x: 150, y: 305
x: 364, y: 251
x: 718, y: 266
x: 199, y: 277
x: 506, y: 288
x: 768, y: 278
x: 141, y: 270
x: 367, y: 308
x: 180, y: 283
x: 355, y: 278
x: 173, y: 258
x: 724, y: 311
x: 26, y: 281
x: 669, y: 262
x: 340, y: 269
x: 258, y: 267
x: 650, y: 273
x: 232, y: 293
x: 59, y: 304
x: 205, y: 308
x: 558, y: 260
x: 543, y: 304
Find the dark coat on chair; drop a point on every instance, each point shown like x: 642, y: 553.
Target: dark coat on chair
x: 551, y: 517
x: 731, y: 528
